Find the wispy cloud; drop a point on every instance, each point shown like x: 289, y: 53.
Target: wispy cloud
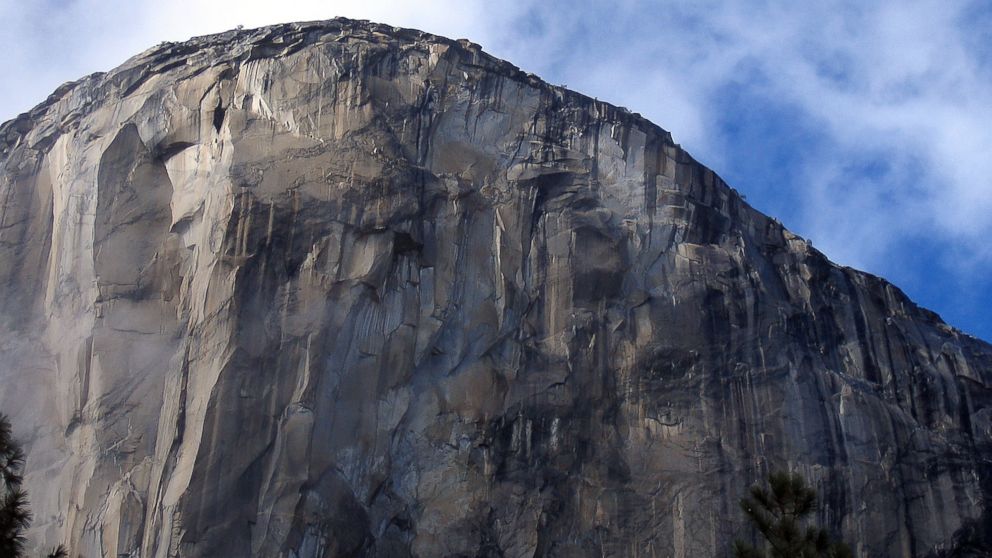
x: 863, y: 125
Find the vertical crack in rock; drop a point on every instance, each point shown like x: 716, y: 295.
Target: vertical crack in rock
x: 218, y: 117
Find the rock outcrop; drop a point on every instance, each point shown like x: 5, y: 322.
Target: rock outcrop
x: 341, y: 289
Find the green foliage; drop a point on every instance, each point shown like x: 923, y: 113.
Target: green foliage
x: 11, y: 457
x: 14, y: 514
x: 780, y: 514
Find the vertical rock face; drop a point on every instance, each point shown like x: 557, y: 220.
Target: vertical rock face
x: 340, y: 289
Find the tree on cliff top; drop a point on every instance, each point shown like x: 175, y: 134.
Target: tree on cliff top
x: 780, y: 515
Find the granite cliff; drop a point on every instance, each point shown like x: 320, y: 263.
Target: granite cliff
x: 342, y: 289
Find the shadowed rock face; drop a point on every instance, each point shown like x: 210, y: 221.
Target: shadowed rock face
x: 340, y: 289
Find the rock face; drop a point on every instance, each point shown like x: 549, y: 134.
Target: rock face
x: 341, y: 289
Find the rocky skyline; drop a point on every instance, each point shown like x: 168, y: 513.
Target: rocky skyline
x: 859, y: 124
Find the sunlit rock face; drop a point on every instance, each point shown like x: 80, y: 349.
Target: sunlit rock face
x: 341, y: 289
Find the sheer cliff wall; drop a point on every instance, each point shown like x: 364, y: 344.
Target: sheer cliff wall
x: 342, y: 289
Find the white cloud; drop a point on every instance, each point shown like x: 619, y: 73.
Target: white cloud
x: 911, y: 93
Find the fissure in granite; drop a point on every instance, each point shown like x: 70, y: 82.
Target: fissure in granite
x: 342, y: 289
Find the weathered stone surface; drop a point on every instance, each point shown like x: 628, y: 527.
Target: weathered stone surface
x: 339, y: 289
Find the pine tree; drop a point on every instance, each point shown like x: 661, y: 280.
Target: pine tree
x: 780, y: 515
x: 14, y: 514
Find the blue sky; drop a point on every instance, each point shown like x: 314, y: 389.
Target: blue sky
x: 865, y: 126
